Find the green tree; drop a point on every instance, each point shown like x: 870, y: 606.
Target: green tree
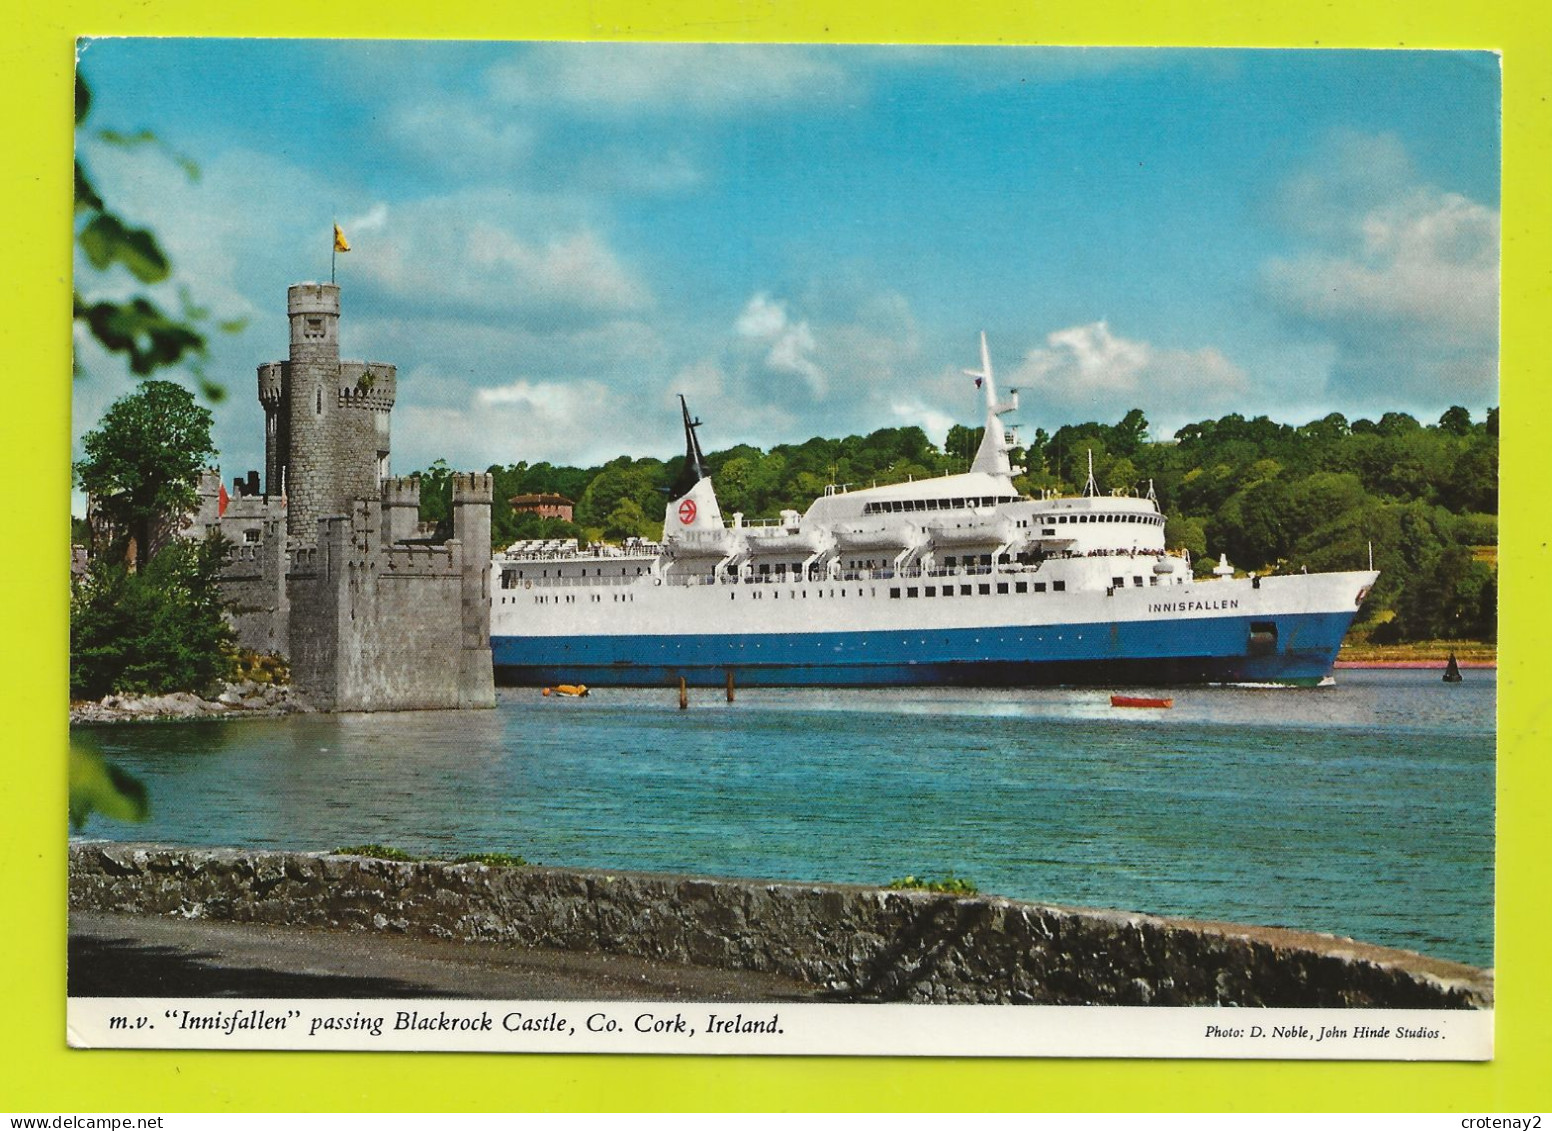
x: 142, y: 465
x: 155, y: 631
x: 1456, y: 421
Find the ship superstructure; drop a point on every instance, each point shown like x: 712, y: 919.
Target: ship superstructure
x: 956, y: 579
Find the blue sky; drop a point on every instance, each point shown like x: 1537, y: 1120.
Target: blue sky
x: 551, y: 241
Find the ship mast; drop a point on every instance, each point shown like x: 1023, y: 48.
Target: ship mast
x: 992, y: 456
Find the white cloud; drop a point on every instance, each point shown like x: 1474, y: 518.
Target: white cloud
x: 528, y: 259
x: 569, y: 421
x: 620, y: 79
x: 1087, y: 372
x: 442, y: 127
x: 1429, y: 261
x: 372, y: 220
x: 932, y: 420
x: 1400, y: 277
x: 789, y: 345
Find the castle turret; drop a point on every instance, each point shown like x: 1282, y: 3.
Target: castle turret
x: 401, y: 509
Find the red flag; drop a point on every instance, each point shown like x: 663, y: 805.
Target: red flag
x: 221, y: 500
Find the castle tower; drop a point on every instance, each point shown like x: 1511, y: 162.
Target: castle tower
x: 472, y: 496
x: 326, y: 440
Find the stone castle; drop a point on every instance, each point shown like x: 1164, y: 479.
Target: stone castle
x: 329, y: 564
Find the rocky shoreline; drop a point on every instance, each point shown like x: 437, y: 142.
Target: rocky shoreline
x: 243, y: 699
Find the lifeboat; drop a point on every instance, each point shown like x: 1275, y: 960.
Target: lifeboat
x: 776, y: 540
x: 1139, y: 701
x: 990, y: 531
x: 904, y: 536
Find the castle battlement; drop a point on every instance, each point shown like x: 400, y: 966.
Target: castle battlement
x: 473, y: 487
x: 368, y: 384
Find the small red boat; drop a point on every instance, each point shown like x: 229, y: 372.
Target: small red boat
x: 1138, y: 701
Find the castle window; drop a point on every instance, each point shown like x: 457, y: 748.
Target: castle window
x: 250, y: 535
x: 320, y: 402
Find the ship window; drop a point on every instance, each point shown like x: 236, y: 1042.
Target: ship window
x: 1137, y: 581
x: 986, y: 559
x: 985, y: 589
x: 1048, y: 530
x: 1039, y: 587
x: 1021, y: 587
x: 1118, y: 583
x: 1002, y: 587
x: 894, y: 593
x: 911, y: 591
x: 930, y: 591
x: 959, y: 502
x: 964, y: 590
x: 1058, y: 587
x: 948, y: 591
x: 951, y: 561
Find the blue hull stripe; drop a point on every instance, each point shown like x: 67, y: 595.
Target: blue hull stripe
x: 1194, y: 650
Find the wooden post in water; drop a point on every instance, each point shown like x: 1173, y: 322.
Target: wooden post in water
x: 684, y: 694
x: 730, y: 685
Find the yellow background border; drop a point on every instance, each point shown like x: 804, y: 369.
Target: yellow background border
x: 40, y: 1074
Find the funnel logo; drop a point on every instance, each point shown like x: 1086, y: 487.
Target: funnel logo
x: 687, y: 512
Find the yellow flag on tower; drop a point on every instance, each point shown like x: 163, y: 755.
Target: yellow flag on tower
x: 340, y: 242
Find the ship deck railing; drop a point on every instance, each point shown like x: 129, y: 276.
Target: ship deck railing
x: 1014, y: 568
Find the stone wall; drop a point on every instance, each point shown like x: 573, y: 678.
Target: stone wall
x: 863, y: 944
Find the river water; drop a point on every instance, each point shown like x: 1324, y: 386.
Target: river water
x: 1364, y: 809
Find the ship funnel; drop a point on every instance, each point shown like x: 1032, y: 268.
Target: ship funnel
x: 692, y: 501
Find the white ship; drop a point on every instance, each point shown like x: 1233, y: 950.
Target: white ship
x: 952, y: 580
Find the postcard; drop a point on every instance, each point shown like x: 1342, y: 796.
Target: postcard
x: 785, y: 549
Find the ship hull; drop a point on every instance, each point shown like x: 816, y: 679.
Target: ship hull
x: 1202, y: 650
